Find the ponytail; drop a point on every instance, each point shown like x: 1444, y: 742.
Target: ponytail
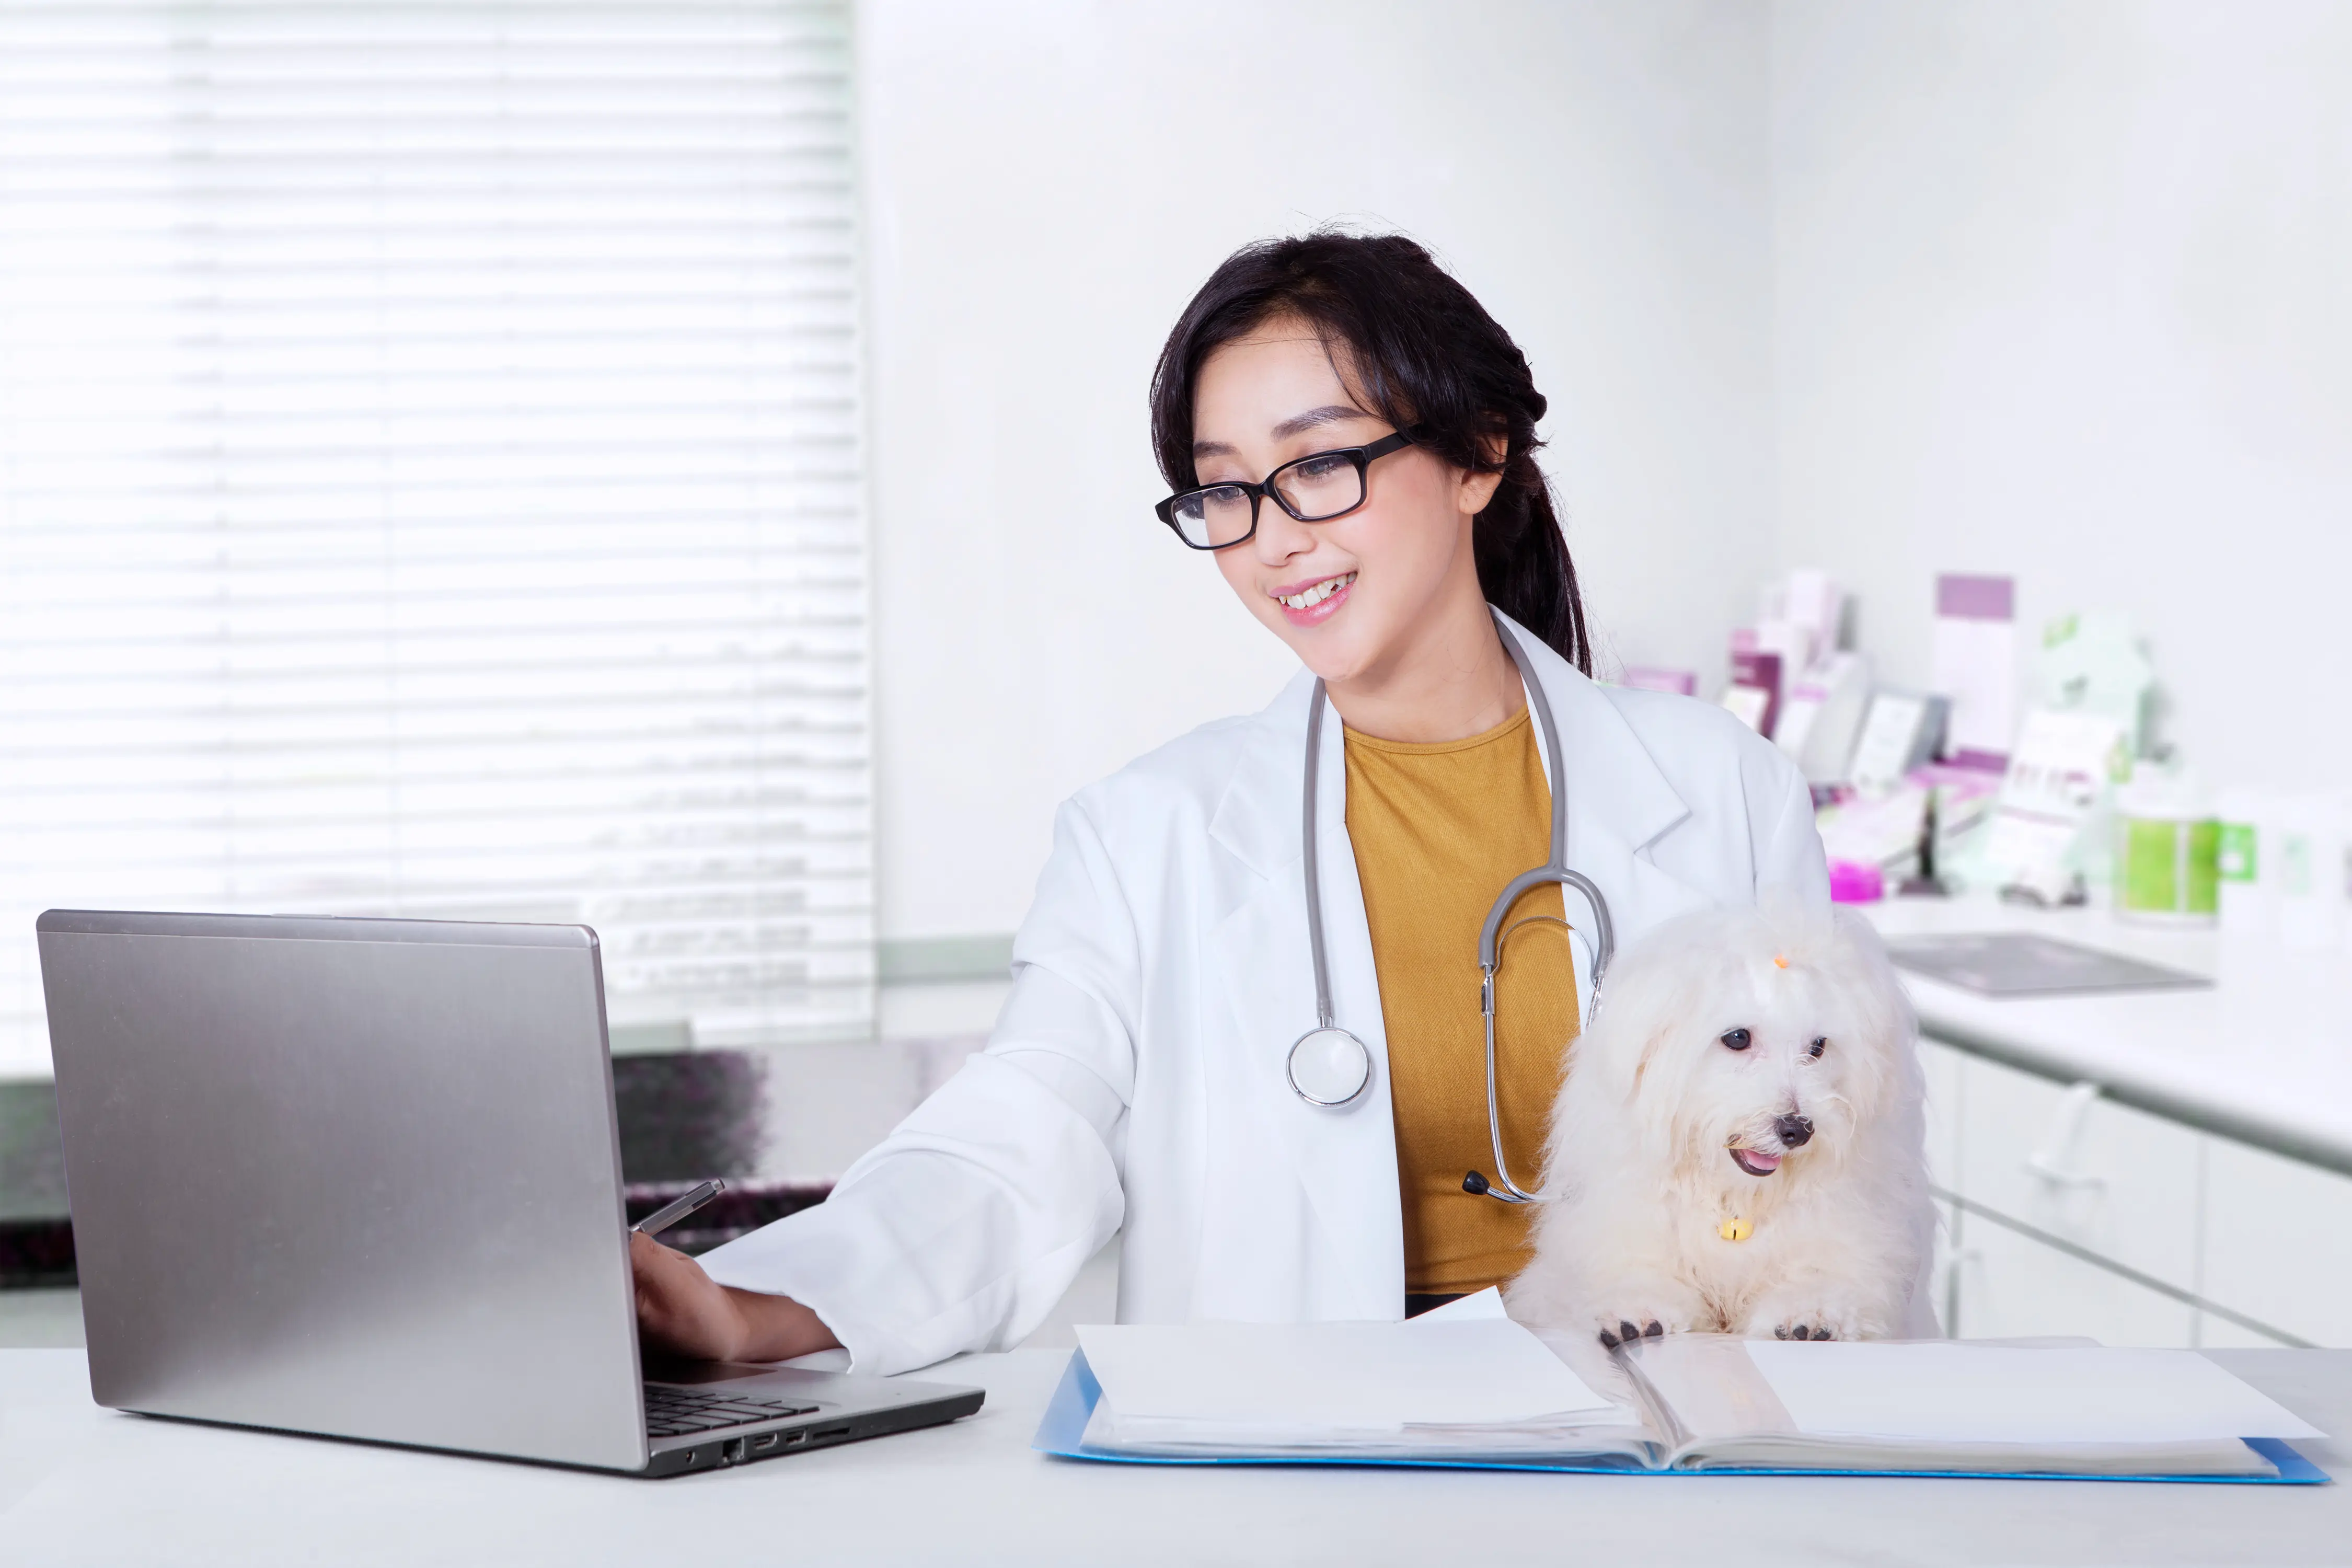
x: 1523, y: 564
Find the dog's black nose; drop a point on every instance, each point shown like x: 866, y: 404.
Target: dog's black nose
x: 1795, y: 1131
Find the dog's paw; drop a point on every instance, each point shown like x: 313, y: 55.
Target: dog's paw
x: 1814, y: 1323
x: 1628, y: 1327
x: 1804, y: 1331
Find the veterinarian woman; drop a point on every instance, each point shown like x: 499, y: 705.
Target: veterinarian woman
x: 1139, y: 1075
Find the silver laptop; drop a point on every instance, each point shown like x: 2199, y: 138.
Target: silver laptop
x: 362, y: 1178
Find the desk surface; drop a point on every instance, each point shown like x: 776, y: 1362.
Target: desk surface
x: 82, y: 1485
x: 2264, y: 1056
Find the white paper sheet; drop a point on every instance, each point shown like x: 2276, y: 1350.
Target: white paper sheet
x: 1996, y: 1394
x: 1975, y: 664
x: 1340, y: 1377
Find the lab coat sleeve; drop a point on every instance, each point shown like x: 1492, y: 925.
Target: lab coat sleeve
x: 961, y: 1229
x: 1789, y: 853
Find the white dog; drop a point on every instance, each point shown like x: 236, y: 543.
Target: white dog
x: 1738, y: 1146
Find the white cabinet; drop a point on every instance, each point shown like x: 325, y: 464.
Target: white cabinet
x: 2215, y: 1332
x: 2110, y: 1179
x: 2069, y: 1213
x: 2278, y: 1243
x: 2011, y: 1286
x: 1945, y: 1068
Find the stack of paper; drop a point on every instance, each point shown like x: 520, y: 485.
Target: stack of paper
x: 2084, y: 1410
x: 1466, y: 1382
x: 2000, y: 1394
x: 1955, y: 1407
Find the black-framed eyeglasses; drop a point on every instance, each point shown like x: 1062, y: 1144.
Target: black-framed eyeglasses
x: 1313, y: 489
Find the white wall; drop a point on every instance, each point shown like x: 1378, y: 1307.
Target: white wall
x: 2065, y: 290
x: 1047, y: 184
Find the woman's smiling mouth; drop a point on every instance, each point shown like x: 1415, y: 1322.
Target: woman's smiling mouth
x: 1315, y: 602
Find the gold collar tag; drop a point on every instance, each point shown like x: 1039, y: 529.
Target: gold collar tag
x: 1736, y: 1228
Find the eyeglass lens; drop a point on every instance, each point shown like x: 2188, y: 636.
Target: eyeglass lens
x: 1321, y: 485
x: 1311, y: 489
x: 1219, y: 515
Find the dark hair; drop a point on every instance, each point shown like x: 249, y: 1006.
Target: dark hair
x: 1428, y: 359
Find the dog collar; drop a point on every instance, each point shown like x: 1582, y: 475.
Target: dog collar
x: 1736, y: 1228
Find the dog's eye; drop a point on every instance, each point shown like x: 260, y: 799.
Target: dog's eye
x: 1820, y: 1045
x: 1735, y: 1039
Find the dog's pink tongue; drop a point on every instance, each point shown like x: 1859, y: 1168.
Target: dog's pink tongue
x: 1758, y: 1159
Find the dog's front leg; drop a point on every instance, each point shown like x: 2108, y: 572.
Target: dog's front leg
x: 1641, y: 1304
x: 1612, y: 1294
x: 1817, y: 1305
x: 1606, y: 1268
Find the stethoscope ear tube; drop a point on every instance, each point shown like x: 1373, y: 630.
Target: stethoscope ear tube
x: 1312, y: 860
x: 1556, y: 869
x: 1492, y: 935
x: 1329, y: 1067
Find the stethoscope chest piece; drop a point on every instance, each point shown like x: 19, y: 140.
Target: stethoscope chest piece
x: 1329, y: 1067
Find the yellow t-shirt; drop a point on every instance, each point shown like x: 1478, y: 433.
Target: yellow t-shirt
x: 1439, y: 829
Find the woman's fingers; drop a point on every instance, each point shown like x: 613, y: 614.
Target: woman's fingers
x: 679, y: 1306
x: 683, y: 1310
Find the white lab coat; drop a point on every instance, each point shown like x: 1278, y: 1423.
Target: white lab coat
x: 1136, y: 1078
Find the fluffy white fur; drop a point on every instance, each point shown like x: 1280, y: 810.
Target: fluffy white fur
x: 1654, y: 1104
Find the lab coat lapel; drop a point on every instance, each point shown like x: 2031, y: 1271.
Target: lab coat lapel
x: 1619, y: 802
x: 1344, y: 1161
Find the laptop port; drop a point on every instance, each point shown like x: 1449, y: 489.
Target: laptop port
x: 765, y: 1441
x: 799, y: 1436
x: 831, y: 1432
x: 734, y: 1450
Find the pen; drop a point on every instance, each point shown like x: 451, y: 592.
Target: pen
x: 669, y: 1214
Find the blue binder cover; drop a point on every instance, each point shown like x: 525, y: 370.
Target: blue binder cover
x: 1062, y: 1434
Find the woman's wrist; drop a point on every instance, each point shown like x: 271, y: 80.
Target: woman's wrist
x: 777, y: 1327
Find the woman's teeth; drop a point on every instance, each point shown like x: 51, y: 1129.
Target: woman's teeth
x: 1320, y: 591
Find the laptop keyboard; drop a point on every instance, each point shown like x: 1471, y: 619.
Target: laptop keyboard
x: 674, y: 1412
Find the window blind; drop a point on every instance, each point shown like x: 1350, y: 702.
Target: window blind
x: 430, y: 484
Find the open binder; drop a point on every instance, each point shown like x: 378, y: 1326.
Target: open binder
x: 1703, y: 1405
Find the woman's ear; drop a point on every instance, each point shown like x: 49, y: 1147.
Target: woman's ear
x: 1473, y: 490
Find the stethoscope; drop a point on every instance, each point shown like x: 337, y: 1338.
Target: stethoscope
x: 1329, y: 1066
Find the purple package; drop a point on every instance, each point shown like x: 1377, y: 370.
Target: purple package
x: 1854, y: 882
x: 1762, y: 671
x: 1974, y: 662
x: 1967, y: 599
x: 1643, y: 678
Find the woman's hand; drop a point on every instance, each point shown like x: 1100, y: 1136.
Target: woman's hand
x: 684, y: 1311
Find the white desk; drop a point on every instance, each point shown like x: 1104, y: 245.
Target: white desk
x: 82, y: 1485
